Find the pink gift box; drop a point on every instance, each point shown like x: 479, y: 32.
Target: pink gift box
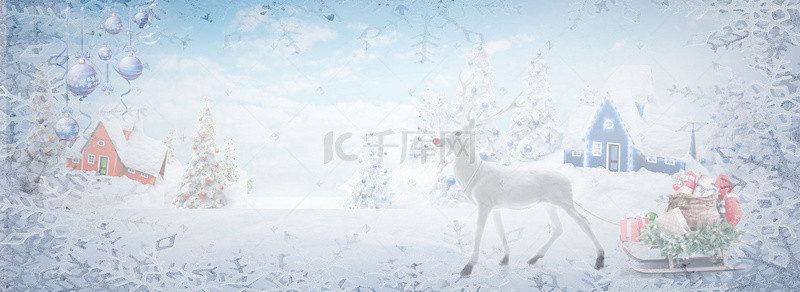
x: 630, y: 227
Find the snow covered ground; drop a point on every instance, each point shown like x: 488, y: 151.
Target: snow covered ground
x: 313, y: 239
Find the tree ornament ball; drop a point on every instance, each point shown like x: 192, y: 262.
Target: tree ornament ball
x: 185, y: 196
x: 203, y: 195
x: 67, y: 128
x: 484, y: 156
x: 130, y: 67
x: 141, y: 18
x: 208, y: 180
x: 451, y: 181
x: 652, y: 216
x: 82, y: 79
x: 528, y: 148
x: 105, y: 53
x: 216, y: 150
x: 204, y: 158
x: 113, y: 24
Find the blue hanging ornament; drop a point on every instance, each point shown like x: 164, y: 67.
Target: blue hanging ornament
x: 484, y: 156
x: 141, y: 18
x: 104, y: 53
x: 67, y: 128
x: 451, y: 181
x: 130, y: 67
x: 82, y: 78
x: 528, y: 148
x: 510, y: 143
x: 113, y: 24
x: 484, y: 105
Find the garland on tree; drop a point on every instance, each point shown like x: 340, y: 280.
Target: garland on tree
x: 709, y: 239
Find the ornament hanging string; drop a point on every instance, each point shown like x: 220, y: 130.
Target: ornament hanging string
x: 64, y: 54
x: 80, y: 110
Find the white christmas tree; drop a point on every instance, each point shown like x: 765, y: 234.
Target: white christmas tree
x: 42, y: 145
x: 446, y: 192
x: 228, y: 165
x: 369, y: 186
x: 534, y: 126
x: 476, y: 100
x: 203, y: 182
x: 430, y: 120
x: 170, y: 142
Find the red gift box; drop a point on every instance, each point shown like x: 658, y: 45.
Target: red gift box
x: 630, y: 227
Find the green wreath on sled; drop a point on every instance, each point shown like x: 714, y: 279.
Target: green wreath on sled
x: 709, y: 239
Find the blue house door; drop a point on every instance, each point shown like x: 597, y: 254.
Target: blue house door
x: 613, y: 157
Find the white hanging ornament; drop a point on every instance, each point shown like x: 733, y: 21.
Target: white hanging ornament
x: 130, y: 67
x: 113, y: 24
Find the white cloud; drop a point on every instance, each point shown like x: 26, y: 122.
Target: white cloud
x: 497, y: 46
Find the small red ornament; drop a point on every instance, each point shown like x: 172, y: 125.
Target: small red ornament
x: 191, y: 175
x: 208, y: 180
x: 203, y: 195
x: 216, y: 150
x: 194, y: 147
x: 185, y: 196
x: 48, y: 152
x: 221, y: 187
x: 204, y: 157
x: 216, y: 165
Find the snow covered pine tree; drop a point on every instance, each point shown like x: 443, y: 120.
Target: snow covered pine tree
x: 430, y: 121
x: 42, y: 147
x: 369, y: 186
x: 228, y: 165
x: 203, y: 182
x: 170, y: 143
x: 476, y: 99
x: 534, y: 127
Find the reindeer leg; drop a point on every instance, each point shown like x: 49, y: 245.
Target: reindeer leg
x: 584, y: 224
x: 499, y: 223
x: 483, y: 214
x: 555, y: 223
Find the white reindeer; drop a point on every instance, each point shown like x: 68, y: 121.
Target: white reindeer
x: 492, y: 186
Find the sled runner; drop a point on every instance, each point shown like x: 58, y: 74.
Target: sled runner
x: 715, y: 263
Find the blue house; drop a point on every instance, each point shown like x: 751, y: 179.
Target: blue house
x: 601, y: 135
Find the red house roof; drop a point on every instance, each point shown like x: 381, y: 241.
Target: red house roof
x: 135, y: 149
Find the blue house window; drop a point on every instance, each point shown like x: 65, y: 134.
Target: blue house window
x: 597, y: 148
x: 652, y: 159
x: 669, y: 162
x: 576, y: 153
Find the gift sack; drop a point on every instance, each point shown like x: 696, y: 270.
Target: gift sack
x: 698, y: 211
x: 673, y: 221
x: 733, y: 212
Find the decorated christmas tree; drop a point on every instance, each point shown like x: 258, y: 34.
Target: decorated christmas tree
x: 369, y: 186
x: 42, y: 144
x: 203, y: 182
x: 476, y: 100
x: 430, y: 121
x: 534, y: 126
x: 170, y: 143
x: 228, y: 165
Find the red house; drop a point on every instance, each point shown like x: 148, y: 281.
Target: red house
x: 117, y: 146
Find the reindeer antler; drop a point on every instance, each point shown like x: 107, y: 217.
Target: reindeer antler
x: 510, y: 107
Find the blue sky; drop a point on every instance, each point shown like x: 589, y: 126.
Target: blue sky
x: 359, y: 71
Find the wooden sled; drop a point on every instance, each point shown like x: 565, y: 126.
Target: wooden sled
x: 717, y: 263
